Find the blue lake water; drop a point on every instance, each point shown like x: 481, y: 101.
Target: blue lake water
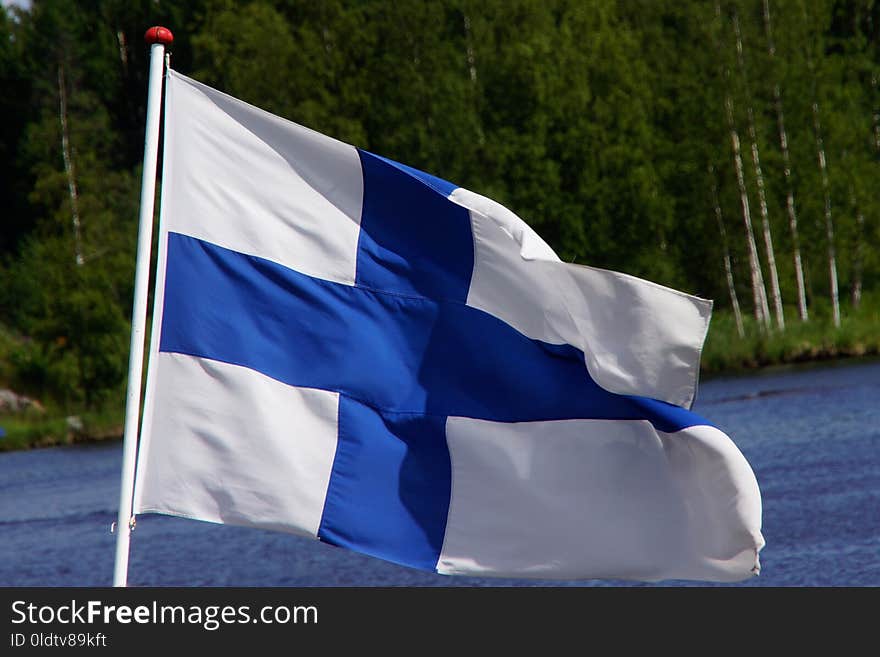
x: 811, y: 434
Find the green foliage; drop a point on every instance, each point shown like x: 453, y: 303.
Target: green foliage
x: 75, y: 322
x: 596, y: 121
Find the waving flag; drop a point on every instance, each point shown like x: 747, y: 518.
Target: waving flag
x: 353, y: 350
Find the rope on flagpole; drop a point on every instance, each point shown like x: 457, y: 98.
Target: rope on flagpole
x: 158, y: 38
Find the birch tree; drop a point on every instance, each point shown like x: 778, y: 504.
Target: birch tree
x: 759, y: 292
x: 67, y: 156
x: 813, y: 34
x: 786, y: 170
x: 725, y: 248
x: 775, y: 293
x: 858, y: 253
x: 829, y: 222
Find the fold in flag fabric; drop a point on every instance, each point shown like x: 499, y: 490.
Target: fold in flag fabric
x: 353, y: 350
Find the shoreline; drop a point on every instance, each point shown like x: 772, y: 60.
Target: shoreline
x: 50, y: 440
x: 821, y: 358
x: 111, y: 432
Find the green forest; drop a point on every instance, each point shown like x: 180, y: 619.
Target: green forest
x: 730, y: 149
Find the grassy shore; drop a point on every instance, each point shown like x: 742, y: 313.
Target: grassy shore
x: 51, y: 428
x: 725, y: 352
x: 816, y: 340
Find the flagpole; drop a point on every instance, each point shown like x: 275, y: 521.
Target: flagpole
x: 158, y: 38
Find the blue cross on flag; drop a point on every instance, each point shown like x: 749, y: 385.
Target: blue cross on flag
x: 353, y: 350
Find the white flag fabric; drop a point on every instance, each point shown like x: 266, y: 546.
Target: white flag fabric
x: 353, y: 350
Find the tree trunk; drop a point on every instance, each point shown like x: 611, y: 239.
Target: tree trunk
x: 728, y: 270
x: 786, y: 163
x: 876, y: 115
x: 123, y: 49
x: 469, y: 48
x: 759, y: 293
x: 471, y: 59
x: 823, y: 169
x: 829, y: 223
x: 775, y: 293
x: 68, y: 168
x: 790, y: 207
x: 858, y: 254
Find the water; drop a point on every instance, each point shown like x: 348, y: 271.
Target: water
x: 812, y: 435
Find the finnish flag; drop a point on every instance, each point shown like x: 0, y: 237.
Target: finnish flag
x: 353, y: 350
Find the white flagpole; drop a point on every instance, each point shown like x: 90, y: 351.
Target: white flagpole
x: 158, y: 37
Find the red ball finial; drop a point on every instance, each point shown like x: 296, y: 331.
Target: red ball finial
x: 159, y: 34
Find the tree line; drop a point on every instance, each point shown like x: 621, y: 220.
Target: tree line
x: 727, y: 148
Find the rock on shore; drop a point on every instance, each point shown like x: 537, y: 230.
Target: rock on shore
x: 12, y: 402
